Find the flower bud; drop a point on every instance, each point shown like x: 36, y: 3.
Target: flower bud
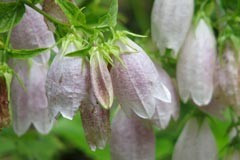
x: 136, y: 81
x: 67, y: 84
x: 196, y: 64
x: 29, y: 101
x: 131, y: 139
x: 51, y: 8
x: 165, y: 111
x: 101, y: 80
x: 171, y: 20
x: 96, y: 122
x: 195, y: 142
x: 4, y: 111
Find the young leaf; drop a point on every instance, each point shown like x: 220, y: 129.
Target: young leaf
x: 73, y: 13
x: 26, y: 53
x: 8, y: 11
x: 110, y: 19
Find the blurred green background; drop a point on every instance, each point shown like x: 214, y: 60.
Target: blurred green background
x: 66, y: 141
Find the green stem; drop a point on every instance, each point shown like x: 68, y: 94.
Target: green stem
x: 50, y: 18
x: 6, y: 46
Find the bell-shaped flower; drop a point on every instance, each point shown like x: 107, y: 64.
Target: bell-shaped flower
x: 195, y: 142
x: 196, y: 65
x: 67, y: 82
x: 165, y: 111
x: 96, y: 122
x: 136, y: 81
x: 101, y: 80
x: 131, y: 139
x: 228, y: 76
x: 4, y: 111
x: 29, y: 101
x: 171, y: 20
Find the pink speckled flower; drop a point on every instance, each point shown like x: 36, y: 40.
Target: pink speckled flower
x: 136, y: 81
x: 196, y: 64
x: 29, y: 104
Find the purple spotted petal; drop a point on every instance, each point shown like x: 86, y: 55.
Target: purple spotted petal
x: 131, y: 139
x: 195, y: 142
x: 96, y: 123
x: 101, y: 81
x: 196, y: 64
x: 33, y: 33
x: 30, y: 105
x: 171, y: 20
x: 67, y: 84
x: 165, y: 111
x: 135, y: 82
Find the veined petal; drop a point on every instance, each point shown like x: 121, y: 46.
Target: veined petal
x: 30, y: 103
x: 195, y: 142
x: 131, y: 139
x: 67, y: 84
x: 135, y: 82
x: 165, y: 111
x: 101, y: 80
x: 32, y: 33
x: 96, y: 123
x: 196, y: 64
x: 171, y: 20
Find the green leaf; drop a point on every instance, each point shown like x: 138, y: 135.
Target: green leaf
x: 7, y: 13
x: 79, y: 53
x: 26, y: 53
x: 75, y: 15
x: 110, y: 19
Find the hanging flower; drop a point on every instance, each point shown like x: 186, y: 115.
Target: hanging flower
x: 195, y: 142
x: 165, y: 111
x: 101, y: 80
x: 67, y: 82
x: 136, y: 81
x: 96, y: 122
x: 196, y: 64
x: 131, y: 138
x: 29, y: 102
x: 171, y: 20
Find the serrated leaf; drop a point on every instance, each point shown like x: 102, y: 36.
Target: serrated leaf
x: 110, y: 19
x: 26, y: 53
x: 74, y: 14
x: 8, y: 11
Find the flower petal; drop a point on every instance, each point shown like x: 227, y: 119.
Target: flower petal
x: 171, y: 20
x: 136, y: 81
x: 131, y: 139
x: 165, y: 111
x: 30, y: 104
x: 101, y: 81
x: 196, y: 64
x: 195, y: 142
x: 67, y: 84
x: 96, y: 123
